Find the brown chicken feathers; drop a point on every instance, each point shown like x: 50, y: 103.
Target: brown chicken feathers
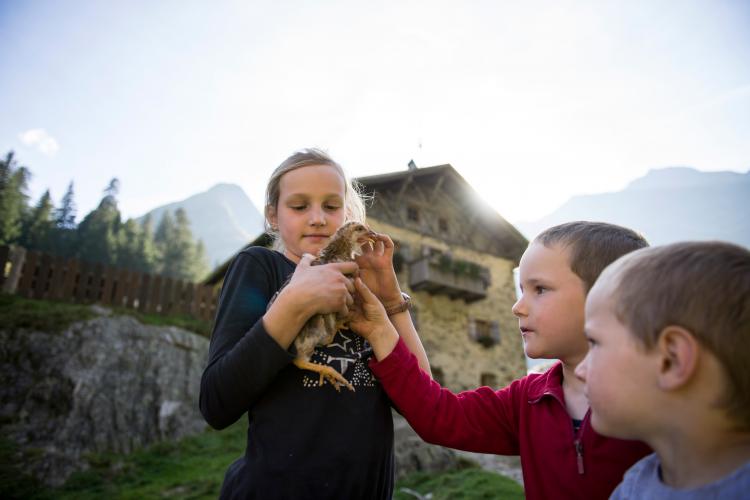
x: 345, y: 245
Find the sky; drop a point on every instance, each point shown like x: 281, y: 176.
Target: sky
x: 532, y: 102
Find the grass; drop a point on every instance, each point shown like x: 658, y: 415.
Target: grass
x: 464, y: 484
x: 54, y: 316
x: 193, y: 468
x: 188, y: 323
x: 44, y: 315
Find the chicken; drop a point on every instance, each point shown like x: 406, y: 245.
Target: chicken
x: 345, y: 245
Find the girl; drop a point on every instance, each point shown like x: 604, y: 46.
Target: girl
x: 304, y: 440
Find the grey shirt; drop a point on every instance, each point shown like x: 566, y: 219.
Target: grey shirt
x: 643, y: 481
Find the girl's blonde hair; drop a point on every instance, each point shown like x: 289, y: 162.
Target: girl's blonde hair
x: 354, y: 199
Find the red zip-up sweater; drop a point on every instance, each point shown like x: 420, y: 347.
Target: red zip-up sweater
x: 527, y: 418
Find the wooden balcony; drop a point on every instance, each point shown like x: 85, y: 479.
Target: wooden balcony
x: 426, y: 274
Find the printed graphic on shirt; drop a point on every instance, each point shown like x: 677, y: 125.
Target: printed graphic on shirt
x: 348, y: 355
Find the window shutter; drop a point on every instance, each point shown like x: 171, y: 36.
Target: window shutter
x: 495, y: 332
x: 472, y: 329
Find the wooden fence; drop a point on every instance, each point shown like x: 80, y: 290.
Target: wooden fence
x: 42, y: 276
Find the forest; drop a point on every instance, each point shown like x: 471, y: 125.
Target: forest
x: 167, y: 248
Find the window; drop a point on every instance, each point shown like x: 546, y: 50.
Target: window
x: 488, y: 379
x: 412, y: 213
x: 437, y: 374
x: 485, y: 332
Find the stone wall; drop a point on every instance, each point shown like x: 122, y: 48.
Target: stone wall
x: 443, y: 323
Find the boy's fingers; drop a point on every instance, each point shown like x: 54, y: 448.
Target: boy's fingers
x: 387, y: 241
x: 363, y: 290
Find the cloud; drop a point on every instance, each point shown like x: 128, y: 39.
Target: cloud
x: 39, y: 138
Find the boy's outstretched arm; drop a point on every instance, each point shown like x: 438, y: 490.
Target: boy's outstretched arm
x: 481, y: 420
x: 377, y: 272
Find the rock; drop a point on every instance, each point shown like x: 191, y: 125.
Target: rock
x: 107, y: 384
x: 414, y: 455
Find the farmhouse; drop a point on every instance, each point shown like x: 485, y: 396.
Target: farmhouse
x: 455, y: 256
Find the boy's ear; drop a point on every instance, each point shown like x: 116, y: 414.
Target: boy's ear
x: 678, y: 353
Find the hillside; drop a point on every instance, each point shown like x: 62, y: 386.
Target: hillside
x: 667, y: 205
x: 223, y: 217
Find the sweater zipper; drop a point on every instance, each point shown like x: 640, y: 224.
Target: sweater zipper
x: 579, y: 455
x: 579, y: 443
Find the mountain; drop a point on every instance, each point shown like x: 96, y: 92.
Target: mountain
x: 667, y: 205
x: 223, y: 217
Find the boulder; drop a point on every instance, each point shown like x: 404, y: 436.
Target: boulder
x: 414, y: 455
x: 110, y: 384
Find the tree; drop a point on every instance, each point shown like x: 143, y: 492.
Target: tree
x: 179, y: 256
x: 39, y: 227
x: 13, y: 198
x: 200, y: 262
x: 98, y: 231
x: 65, y: 216
x: 129, y: 247
x: 146, y: 245
x: 177, y: 253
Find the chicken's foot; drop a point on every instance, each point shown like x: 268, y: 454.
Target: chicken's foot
x: 326, y: 372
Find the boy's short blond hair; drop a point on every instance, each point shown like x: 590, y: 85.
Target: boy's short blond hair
x: 592, y: 245
x: 703, y: 287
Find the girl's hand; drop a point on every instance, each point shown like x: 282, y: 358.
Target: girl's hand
x: 369, y: 320
x: 376, y: 270
x: 321, y: 289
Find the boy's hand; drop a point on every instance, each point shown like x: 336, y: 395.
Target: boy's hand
x: 369, y: 320
x: 376, y: 269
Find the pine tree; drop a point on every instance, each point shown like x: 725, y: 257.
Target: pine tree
x: 200, y: 262
x: 164, y: 233
x: 128, y: 246
x: 39, y: 227
x: 13, y: 198
x: 146, y: 246
x: 97, y: 233
x: 179, y: 256
x: 66, y: 235
x: 65, y: 216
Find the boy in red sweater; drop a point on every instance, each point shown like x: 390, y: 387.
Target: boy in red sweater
x: 544, y: 418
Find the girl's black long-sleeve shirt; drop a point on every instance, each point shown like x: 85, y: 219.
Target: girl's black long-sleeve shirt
x: 304, y: 440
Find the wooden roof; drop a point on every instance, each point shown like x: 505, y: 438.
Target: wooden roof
x: 439, y: 190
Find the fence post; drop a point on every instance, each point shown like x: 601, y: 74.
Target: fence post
x: 4, y: 254
x: 59, y: 266
x: 133, y: 290
x: 167, y: 296
x: 42, y: 279
x: 109, y: 276
x: 17, y: 259
x: 144, y: 292
x: 72, y: 279
x: 154, y: 305
x: 25, y: 284
x: 188, y: 292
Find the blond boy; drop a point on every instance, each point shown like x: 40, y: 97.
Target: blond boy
x: 669, y: 364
